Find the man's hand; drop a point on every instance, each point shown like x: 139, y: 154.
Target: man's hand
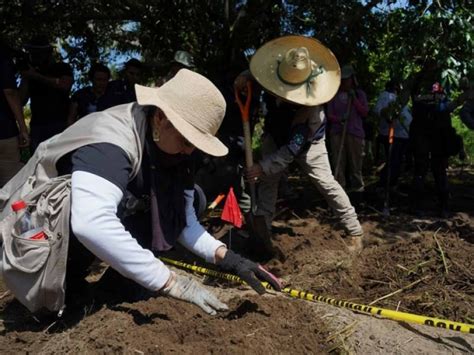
x: 391, y: 112
x: 252, y: 273
x: 253, y: 173
x: 186, y: 289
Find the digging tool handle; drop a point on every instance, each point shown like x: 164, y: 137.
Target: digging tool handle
x: 391, y: 133
x: 347, y: 115
x: 245, y: 112
x: 386, y: 204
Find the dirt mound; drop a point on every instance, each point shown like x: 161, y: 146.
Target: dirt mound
x: 254, y: 324
x: 435, y: 279
x: 412, y: 268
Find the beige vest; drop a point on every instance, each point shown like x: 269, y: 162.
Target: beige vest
x: 34, y: 270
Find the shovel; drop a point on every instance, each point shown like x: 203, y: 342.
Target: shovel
x: 386, y: 203
x: 257, y: 224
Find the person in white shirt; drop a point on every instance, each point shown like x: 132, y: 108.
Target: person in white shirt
x: 384, y: 109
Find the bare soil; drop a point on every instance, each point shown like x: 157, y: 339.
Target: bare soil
x: 429, y: 259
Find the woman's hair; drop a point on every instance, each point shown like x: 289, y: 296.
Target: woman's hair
x: 150, y: 111
x: 98, y: 67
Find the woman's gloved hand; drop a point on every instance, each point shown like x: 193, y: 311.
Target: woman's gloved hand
x: 187, y: 289
x: 252, y: 273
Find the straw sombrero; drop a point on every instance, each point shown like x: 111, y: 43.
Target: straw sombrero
x: 298, y: 69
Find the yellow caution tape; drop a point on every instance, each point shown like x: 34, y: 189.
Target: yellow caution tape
x: 376, y: 311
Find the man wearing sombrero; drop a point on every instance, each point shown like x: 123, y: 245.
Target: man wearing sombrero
x: 301, y: 75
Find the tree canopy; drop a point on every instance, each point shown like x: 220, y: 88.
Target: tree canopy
x: 382, y: 38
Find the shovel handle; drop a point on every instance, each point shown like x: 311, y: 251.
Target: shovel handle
x: 346, y: 116
x: 386, y: 204
x: 245, y: 108
x: 218, y: 200
x: 391, y: 133
x: 249, y: 163
x: 245, y: 113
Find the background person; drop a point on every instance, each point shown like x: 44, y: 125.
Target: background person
x: 13, y: 130
x: 91, y: 98
x: 47, y: 84
x: 121, y: 91
x: 181, y: 60
x: 384, y: 108
x: 352, y: 153
x: 433, y: 138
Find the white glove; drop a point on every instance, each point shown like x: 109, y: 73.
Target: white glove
x: 186, y: 289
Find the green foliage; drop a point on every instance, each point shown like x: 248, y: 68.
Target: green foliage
x: 380, y: 38
x: 467, y: 136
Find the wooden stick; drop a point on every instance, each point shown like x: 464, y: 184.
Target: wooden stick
x: 441, y: 251
x: 374, y: 209
x: 279, y: 213
x: 346, y: 117
x: 346, y: 329
x: 49, y: 327
x: 414, y: 268
x: 403, y: 268
x: 294, y: 214
x: 398, y: 291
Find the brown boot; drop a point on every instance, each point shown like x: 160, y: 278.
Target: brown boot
x: 354, y: 243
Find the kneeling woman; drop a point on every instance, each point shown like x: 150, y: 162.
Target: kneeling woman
x: 132, y: 163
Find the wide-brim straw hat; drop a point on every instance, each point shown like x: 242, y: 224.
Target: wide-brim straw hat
x: 193, y: 105
x: 298, y: 69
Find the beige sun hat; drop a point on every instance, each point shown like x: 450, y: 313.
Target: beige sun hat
x: 298, y: 69
x: 194, y: 106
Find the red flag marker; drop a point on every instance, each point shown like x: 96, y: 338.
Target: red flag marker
x: 231, y: 212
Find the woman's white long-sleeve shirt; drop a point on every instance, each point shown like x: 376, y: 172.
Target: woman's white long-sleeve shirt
x: 94, y: 222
